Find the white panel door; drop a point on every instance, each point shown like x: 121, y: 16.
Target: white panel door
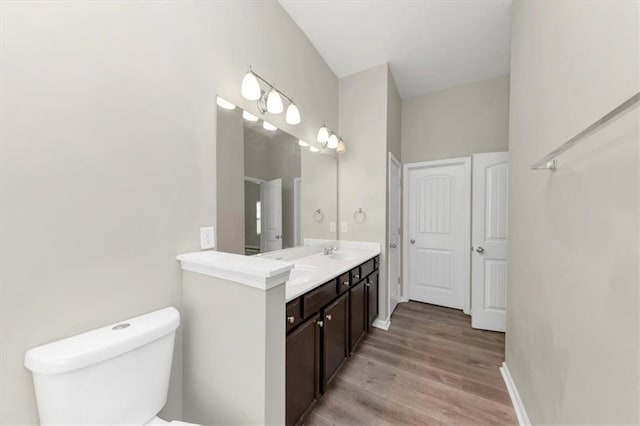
x: 394, y: 232
x: 271, y: 211
x: 439, y: 213
x: 489, y: 236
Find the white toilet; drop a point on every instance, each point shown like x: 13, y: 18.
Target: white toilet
x: 117, y: 374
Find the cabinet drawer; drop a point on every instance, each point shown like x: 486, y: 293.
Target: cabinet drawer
x: 343, y: 282
x: 367, y: 267
x: 316, y: 299
x: 356, y: 276
x: 294, y: 313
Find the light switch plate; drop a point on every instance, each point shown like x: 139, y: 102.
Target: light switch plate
x: 332, y: 227
x: 343, y: 227
x: 207, y: 238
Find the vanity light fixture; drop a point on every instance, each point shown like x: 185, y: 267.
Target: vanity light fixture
x: 323, y: 134
x: 313, y: 149
x: 269, y: 100
x: 223, y: 103
x: 302, y: 143
x: 248, y: 116
x: 268, y: 126
x: 333, y: 141
x: 329, y: 139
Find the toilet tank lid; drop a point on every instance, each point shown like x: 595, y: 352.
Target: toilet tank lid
x: 103, y: 343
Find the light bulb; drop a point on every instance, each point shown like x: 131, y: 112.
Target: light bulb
x: 313, y: 149
x: 223, y: 103
x: 323, y: 134
x: 274, y: 102
x: 302, y: 143
x: 269, y: 126
x: 341, y: 147
x: 250, y: 87
x: 293, y: 114
x: 248, y: 116
x: 333, y: 141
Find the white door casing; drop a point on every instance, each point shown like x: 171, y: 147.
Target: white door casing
x: 489, y: 237
x: 271, y: 211
x: 297, y: 230
x: 394, y: 232
x: 437, y: 232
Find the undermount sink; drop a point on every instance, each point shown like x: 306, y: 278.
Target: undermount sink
x: 342, y: 255
x: 302, y: 274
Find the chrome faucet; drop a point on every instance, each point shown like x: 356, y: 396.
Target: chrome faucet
x: 330, y: 250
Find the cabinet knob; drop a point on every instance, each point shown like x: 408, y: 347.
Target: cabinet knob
x: 357, y: 277
x: 291, y: 319
x: 345, y: 283
x: 320, y: 323
x: 328, y: 317
x: 368, y: 284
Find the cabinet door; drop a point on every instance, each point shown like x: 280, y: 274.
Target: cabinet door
x: 303, y: 370
x: 335, y: 337
x: 358, y: 311
x: 372, y: 298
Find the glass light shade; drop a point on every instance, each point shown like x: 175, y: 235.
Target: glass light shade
x: 313, y: 149
x: 248, y: 116
x: 250, y: 87
x: 274, y: 102
x: 223, y: 103
x: 302, y: 143
x: 333, y: 141
x: 269, y: 126
x: 293, y: 114
x: 323, y: 134
x: 341, y: 147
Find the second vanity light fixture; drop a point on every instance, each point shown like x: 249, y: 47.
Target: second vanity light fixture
x: 329, y: 139
x: 268, y: 100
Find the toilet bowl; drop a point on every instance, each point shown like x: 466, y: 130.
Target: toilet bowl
x: 118, y: 374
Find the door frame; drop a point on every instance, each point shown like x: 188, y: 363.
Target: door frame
x: 407, y: 168
x: 393, y: 160
x: 296, y: 212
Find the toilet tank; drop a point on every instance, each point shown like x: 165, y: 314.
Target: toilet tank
x: 118, y: 374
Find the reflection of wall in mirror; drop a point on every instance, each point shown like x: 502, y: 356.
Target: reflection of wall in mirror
x: 319, y: 191
x: 270, y: 157
x: 251, y: 200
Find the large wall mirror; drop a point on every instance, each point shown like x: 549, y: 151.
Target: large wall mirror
x: 272, y: 192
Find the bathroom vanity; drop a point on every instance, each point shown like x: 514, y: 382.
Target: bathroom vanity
x: 324, y: 326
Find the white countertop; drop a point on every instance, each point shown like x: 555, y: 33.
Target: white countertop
x: 312, y: 271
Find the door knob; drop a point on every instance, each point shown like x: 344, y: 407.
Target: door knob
x: 479, y: 249
x: 277, y: 237
x: 413, y: 241
x: 393, y: 245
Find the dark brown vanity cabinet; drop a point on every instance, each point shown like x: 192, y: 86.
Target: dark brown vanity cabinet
x: 358, y: 308
x: 303, y: 369
x: 372, y: 298
x: 323, y: 327
x: 335, y: 337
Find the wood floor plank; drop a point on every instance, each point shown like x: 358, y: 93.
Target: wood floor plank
x: 431, y: 367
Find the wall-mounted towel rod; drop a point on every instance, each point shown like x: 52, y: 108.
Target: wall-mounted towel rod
x: 548, y: 162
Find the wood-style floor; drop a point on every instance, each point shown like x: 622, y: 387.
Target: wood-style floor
x: 431, y: 367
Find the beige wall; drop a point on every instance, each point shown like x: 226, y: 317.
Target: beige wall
x: 363, y: 167
x: 319, y: 190
x: 108, y: 165
x: 572, y: 302
x: 230, y: 173
x: 456, y: 122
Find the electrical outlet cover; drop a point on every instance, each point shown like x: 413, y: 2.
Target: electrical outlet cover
x: 332, y: 227
x: 207, y: 238
x: 343, y: 227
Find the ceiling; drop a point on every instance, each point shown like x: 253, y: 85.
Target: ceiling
x: 430, y: 44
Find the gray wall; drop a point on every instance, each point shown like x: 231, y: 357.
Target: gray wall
x: 363, y: 167
x: 456, y: 122
x: 572, y: 302
x: 108, y: 165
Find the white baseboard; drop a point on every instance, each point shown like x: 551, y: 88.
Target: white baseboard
x: 518, y: 406
x: 382, y: 324
x: 403, y: 299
